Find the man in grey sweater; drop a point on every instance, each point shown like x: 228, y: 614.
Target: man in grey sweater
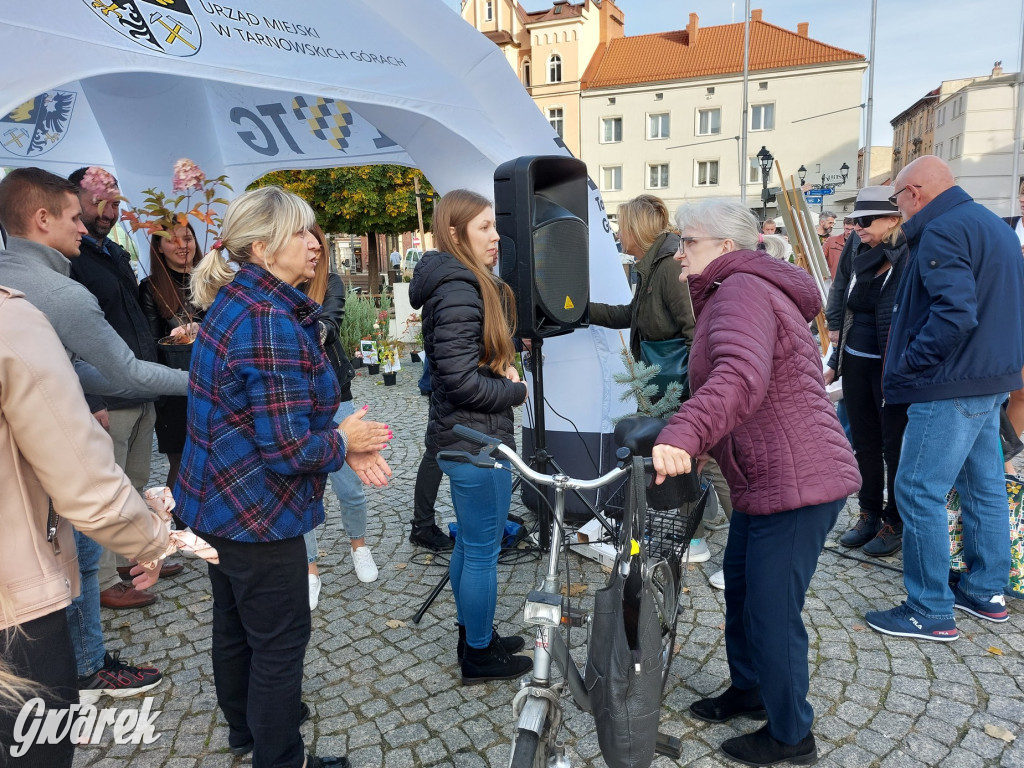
x: 42, y: 215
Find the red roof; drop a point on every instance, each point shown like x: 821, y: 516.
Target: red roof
x: 665, y: 56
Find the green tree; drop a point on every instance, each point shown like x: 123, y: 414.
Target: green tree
x: 368, y: 200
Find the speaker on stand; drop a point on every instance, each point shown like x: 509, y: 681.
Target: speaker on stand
x: 540, y: 206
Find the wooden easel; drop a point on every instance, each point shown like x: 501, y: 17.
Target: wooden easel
x: 807, y: 252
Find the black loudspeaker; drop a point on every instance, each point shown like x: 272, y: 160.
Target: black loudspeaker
x: 540, y: 203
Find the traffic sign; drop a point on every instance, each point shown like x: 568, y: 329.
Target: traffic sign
x: 826, y: 191
x: 815, y: 199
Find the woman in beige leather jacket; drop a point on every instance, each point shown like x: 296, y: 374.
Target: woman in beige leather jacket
x: 56, y: 470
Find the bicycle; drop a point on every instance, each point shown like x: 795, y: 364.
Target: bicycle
x: 537, y: 706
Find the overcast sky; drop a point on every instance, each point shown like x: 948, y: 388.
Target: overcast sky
x: 919, y: 43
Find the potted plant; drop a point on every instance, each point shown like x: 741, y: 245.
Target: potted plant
x: 160, y: 216
x: 356, y: 325
x: 414, y: 332
x: 387, y: 349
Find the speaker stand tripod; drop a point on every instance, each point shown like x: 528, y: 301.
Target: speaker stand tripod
x: 540, y: 459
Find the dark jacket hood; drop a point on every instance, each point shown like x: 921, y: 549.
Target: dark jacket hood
x: 434, y: 269
x: 791, y: 280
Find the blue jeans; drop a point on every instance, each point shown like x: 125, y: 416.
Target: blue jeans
x: 953, y: 443
x: 481, y: 498
x: 349, y: 490
x: 84, y: 612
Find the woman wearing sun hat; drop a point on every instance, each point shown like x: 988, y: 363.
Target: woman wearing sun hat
x: 864, y: 296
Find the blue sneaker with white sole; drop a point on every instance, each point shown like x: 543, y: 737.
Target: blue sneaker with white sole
x: 993, y: 609
x: 902, y: 621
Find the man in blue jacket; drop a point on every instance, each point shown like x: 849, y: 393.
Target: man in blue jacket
x: 956, y: 347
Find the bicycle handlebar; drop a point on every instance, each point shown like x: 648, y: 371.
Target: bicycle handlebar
x: 490, y: 445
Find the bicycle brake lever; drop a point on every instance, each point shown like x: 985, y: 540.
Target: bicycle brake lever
x: 476, y: 459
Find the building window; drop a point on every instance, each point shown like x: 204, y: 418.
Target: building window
x: 557, y: 120
x: 658, y: 126
x: 940, y: 118
x: 659, y: 96
x: 611, y: 178
x: 555, y: 68
x: 709, y: 121
x: 710, y: 91
x: 489, y: 10
x: 938, y: 149
x: 526, y: 73
x: 611, y: 101
x: 611, y: 130
x: 707, y: 173
x: 754, y: 175
x: 954, y: 147
x: 763, y: 85
x: 657, y: 175
x: 762, y: 117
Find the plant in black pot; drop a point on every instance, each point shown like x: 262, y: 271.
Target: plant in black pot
x: 414, y: 334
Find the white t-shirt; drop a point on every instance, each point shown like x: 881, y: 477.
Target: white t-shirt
x: 1020, y: 231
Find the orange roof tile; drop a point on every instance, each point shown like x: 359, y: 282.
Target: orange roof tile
x: 718, y: 51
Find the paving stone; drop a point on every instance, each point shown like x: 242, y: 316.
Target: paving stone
x: 391, y: 695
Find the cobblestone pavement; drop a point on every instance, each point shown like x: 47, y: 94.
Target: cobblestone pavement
x: 386, y: 692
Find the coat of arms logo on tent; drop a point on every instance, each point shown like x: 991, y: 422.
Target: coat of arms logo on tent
x: 165, y: 26
x: 328, y: 120
x: 38, y: 125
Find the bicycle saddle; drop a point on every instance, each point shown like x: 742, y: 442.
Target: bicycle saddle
x: 638, y: 433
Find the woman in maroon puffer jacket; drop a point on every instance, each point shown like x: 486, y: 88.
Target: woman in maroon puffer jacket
x: 759, y: 408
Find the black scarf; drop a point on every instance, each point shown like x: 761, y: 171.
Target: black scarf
x: 866, y: 264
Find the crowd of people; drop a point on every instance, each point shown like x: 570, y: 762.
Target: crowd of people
x: 926, y: 319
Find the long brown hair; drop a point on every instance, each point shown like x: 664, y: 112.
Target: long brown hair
x: 316, y: 288
x: 455, y: 211
x: 165, y: 290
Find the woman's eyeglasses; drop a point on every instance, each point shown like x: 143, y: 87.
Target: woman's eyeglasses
x: 685, y: 242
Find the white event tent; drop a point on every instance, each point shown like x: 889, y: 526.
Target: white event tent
x: 254, y: 86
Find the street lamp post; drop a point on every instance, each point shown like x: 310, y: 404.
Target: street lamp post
x: 844, y: 172
x: 765, y: 160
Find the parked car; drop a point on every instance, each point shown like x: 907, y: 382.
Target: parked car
x: 409, y: 261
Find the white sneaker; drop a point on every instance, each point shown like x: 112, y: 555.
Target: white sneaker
x: 717, y: 580
x: 366, y: 569
x: 699, y: 552
x: 314, y: 590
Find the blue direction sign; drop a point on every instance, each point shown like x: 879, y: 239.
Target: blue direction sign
x: 815, y: 199
x: 826, y: 191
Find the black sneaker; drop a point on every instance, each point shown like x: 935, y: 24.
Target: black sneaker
x: 312, y: 761
x: 862, y: 532
x: 117, y: 680
x: 432, y: 538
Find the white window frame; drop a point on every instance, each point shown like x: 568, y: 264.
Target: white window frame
x: 603, y: 137
x: 559, y: 118
x: 708, y: 111
x: 488, y: 10
x: 554, y: 68
x: 755, y: 166
x: 761, y: 106
x: 697, y: 169
x: 605, y: 186
x: 660, y: 183
x: 665, y: 123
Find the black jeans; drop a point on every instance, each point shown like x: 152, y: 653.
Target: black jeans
x: 44, y: 655
x: 261, y: 628
x: 876, y: 432
x: 428, y: 480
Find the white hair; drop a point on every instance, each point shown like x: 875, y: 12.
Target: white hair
x: 775, y: 246
x: 720, y: 218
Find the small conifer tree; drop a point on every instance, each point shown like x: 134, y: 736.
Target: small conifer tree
x: 638, y: 378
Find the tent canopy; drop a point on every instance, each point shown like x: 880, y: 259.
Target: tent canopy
x: 133, y: 85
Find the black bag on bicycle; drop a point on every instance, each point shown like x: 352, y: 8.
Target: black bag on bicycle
x: 624, y: 658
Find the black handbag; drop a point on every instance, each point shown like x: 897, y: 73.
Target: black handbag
x: 673, y: 357
x: 624, y: 658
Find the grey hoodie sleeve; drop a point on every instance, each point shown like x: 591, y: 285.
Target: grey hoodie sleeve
x: 84, y: 330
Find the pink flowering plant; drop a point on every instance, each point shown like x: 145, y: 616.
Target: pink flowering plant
x: 198, y: 195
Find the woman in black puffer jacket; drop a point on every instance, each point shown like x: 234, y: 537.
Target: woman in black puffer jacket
x: 468, y: 317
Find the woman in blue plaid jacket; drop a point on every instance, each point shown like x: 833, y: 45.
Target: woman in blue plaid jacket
x: 260, y: 442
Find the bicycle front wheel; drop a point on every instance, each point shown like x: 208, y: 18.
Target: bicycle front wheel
x: 528, y: 751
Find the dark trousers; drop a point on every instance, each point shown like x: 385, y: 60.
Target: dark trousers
x: 43, y: 654
x: 428, y: 480
x: 261, y: 628
x: 769, y: 561
x: 876, y: 433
